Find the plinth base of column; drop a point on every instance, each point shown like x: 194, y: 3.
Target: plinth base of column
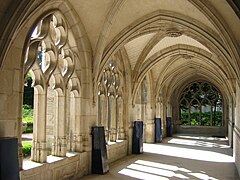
x: 59, y: 147
x: 39, y: 152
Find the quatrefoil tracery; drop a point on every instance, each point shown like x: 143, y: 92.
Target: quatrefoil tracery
x: 110, y: 81
x: 49, y: 52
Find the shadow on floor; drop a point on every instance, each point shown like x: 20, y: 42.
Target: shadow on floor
x: 179, y: 157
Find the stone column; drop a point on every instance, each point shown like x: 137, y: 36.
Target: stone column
x: 149, y: 125
x: 103, y: 110
x: 75, y: 137
x: 149, y: 131
x: 113, y: 123
x: 39, y: 153
x: 78, y: 137
x: 99, y: 122
x: 20, y: 154
x: 236, y: 129
x: 169, y: 109
x: 158, y: 110
x: 59, y: 147
x: 50, y: 117
x: 232, y: 117
x: 120, y: 124
x: 163, y: 109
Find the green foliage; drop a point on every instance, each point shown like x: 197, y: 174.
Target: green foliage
x: 200, y: 105
x: 194, y: 122
x: 29, y: 128
x: 26, y: 143
x: 27, y: 113
x: 28, y: 91
x: 29, y: 77
x: 205, y: 119
x: 26, y: 149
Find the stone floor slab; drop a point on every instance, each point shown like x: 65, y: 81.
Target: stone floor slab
x: 179, y: 157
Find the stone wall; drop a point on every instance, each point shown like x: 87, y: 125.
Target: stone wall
x: 116, y: 150
x: 236, y: 154
x: 73, y: 166
x: 236, y: 130
x: 211, y: 130
x: 57, y: 168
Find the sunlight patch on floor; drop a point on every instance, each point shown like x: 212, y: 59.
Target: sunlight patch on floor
x: 142, y: 169
x: 197, y: 143
x: 151, y: 170
x: 201, y: 138
x: 140, y: 175
x: 187, y: 153
x: 157, y: 165
x: 202, y: 176
x: 197, y: 152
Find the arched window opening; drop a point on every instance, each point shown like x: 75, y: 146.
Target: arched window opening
x: 110, y: 103
x: 200, y: 104
x: 51, y: 61
x: 27, y: 116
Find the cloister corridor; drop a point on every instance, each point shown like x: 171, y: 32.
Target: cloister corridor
x: 85, y: 84
x: 179, y: 157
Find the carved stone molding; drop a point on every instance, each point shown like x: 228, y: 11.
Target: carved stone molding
x: 186, y: 56
x: 173, y: 32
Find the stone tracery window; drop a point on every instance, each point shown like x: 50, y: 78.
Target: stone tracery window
x: 52, y: 63
x: 110, y: 103
x: 200, y: 104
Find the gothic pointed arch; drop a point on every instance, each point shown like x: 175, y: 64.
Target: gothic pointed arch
x: 200, y: 104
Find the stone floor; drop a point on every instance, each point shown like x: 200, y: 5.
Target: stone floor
x: 179, y: 157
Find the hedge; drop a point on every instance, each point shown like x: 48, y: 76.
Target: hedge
x: 26, y: 149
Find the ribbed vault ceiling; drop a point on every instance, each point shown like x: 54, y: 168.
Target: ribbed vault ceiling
x: 197, y: 43
x: 166, y: 40
x: 136, y: 46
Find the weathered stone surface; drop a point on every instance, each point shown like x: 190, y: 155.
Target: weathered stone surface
x: 110, y: 63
